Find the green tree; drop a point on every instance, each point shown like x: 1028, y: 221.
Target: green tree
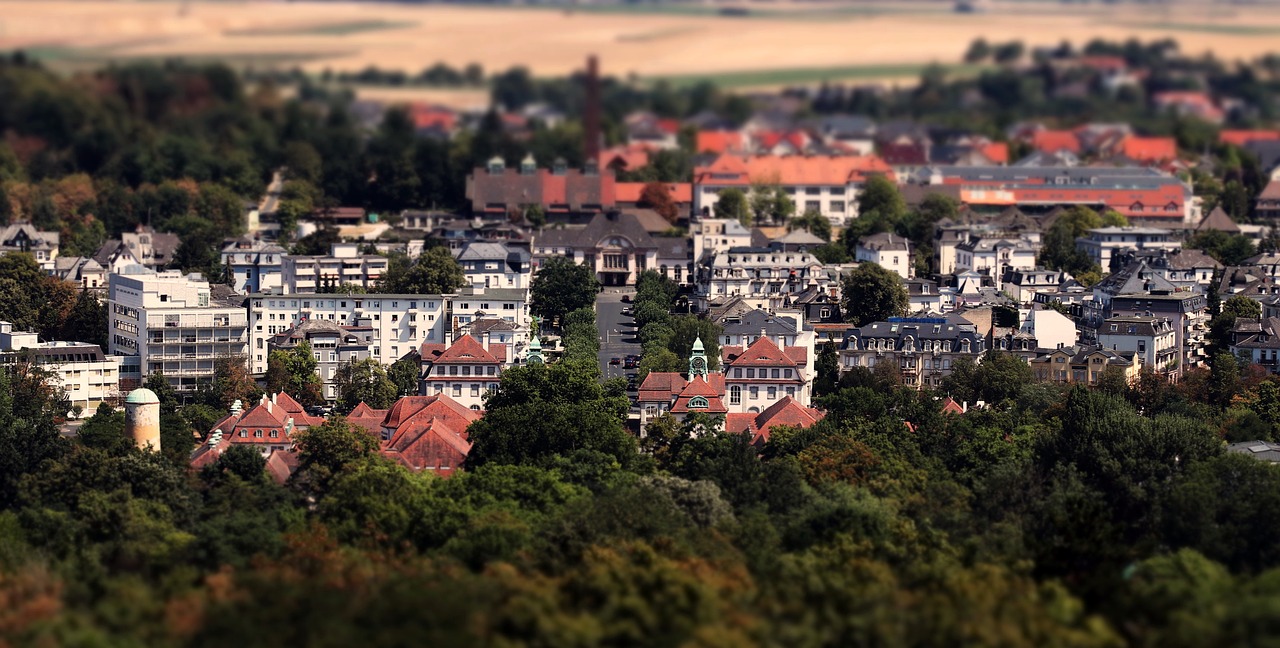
x: 435, y: 272
x: 978, y: 51
x: 295, y: 372
x: 881, y: 197
x: 827, y: 370
x: 87, y: 321
x: 363, y: 381
x: 873, y: 294
x: 561, y: 286
x: 232, y: 382
x: 326, y: 450
x: 813, y: 223
x: 1235, y: 307
x: 732, y: 203
x: 404, y: 373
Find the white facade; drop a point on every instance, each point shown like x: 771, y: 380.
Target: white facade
x: 1152, y: 338
x: 397, y: 323
x: 759, y: 273
x: 713, y: 235
x: 87, y: 376
x: 890, y: 252
x: 1100, y: 243
x: 255, y: 266
x: 1051, y: 329
x: 173, y: 324
x: 494, y: 265
x: 344, y: 265
x: 994, y: 256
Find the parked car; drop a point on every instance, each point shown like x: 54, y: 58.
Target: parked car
x: 631, y: 362
x: 626, y: 299
x: 614, y: 361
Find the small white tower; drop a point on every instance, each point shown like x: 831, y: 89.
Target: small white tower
x: 142, y: 418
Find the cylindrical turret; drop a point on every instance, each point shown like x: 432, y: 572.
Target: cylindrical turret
x: 142, y: 418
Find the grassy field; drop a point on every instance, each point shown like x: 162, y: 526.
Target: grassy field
x: 778, y: 43
x: 802, y: 76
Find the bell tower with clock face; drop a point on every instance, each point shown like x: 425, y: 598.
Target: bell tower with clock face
x: 698, y: 360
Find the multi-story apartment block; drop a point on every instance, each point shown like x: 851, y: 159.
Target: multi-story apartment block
x: 466, y: 370
x: 711, y: 235
x: 24, y: 237
x: 472, y: 305
x: 1258, y: 340
x: 495, y: 265
x: 1022, y: 284
x: 1102, y: 242
x: 1186, y: 269
x: 1152, y: 338
x: 1085, y: 365
x: 923, y: 349
x: 332, y: 345
x: 828, y: 185
x: 344, y: 265
x: 87, y: 375
x: 176, y: 324
x: 396, y: 324
x: 743, y: 329
x: 887, y: 250
x: 764, y: 273
x: 1186, y: 311
x: 255, y: 265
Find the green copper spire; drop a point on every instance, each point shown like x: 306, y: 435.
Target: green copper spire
x: 698, y: 360
x: 534, y: 355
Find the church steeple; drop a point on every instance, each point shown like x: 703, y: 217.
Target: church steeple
x: 698, y: 360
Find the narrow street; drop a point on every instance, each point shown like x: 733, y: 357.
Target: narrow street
x: 617, y: 332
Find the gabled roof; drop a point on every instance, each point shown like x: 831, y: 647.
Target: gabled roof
x: 1051, y: 141
x: 1149, y: 149
x: 710, y: 389
x: 763, y: 353
x: 465, y: 350
x: 438, y: 405
x: 1218, y: 220
x: 660, y: 386
x: 787, y: 411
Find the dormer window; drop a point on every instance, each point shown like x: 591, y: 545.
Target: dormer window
x: 698, y: 402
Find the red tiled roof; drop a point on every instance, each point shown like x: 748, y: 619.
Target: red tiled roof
x: 1243, y: 137
x: 625, y: 158
x: 1149, y: 149
x: 997, y: 152
x: 792, y: 169
x: 787, y: 411
x: 466, y: 350
x: 289, y: 404
x: 660, y: 386
x: 699, y: 387
x: 1051, y: 141
x: 629, y: 192
x: 762, y: 353
x: 438, y: 405
x: 949, y: 406
x: 719, y: 142
x: 281, y: 464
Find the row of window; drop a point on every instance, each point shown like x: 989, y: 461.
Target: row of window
x: 738, y: 372
x: 455, y: 389
x: 753, y: 393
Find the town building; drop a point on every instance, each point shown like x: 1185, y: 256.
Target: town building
x: 1258, y: 340
x: 1022, y: 284
x: 887, y: 250
x: 84, y: 272
x: 1153, y: 339
x: 24, y: 237
x: 742, y: 329
x: 495, y: 265
x: 1100, y: 243
x: 87, y: 375
x: 267, y: 426
x: 995, y: 257
x: 394, y: 324
x: 1188, y: 269
x: 828, y: 185
x: 332, y: 345
x: 344, y: 265
x: 1186, y: 311
x: 255, y: 265
x: 711, y: 235
x: 614, y: 245
x: 428, y: 433
x: 762, y: 373
x: 759, y: 273
x: 1084, y: 365
x: 923, y: 350
x: 1049, y: 328
x: 1266, y: 206
x: 467, y: 370
x: 562, y: 194
x: 177, y: 325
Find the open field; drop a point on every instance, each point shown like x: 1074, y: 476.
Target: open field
x: 784, y: 43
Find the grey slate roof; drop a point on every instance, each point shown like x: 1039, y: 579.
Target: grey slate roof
x: 753, y: 322
x: 1260, y: 450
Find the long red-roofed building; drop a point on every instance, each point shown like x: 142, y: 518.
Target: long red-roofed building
x: 428, y: 433
x: 788, y: 412
x: 828, y: 185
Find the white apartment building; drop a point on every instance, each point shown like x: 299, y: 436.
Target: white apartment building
x: 176, y: 324
x: 488, y: 264
x: 395, y: 324
x: 711, y: 235
x: 24, y: 237
x: 255, y: 265
x: 828, y: 185
x: 886, y: 250
x: 994, y: 257
x: 1102, y: 242
x: 87, y: 375
x: 344, y: 265
x: 1152, y: 338
x: 758, y: 273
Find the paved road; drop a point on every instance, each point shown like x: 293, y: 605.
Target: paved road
x: 617, y: 335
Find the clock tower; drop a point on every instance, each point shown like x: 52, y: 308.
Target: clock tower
x: 698, y: 360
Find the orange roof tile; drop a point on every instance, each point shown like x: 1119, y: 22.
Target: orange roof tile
x: 762, y: 353
x: 838, y: 170
x: 997, y: 152
x: 719, y: 142
x: 1149, y: 149
x: 1051, y: 141
x: 466, y: 350
x: 629, y: 192
x: 1243, y: 137
x: 699, y: 387
x: 787, y: 411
